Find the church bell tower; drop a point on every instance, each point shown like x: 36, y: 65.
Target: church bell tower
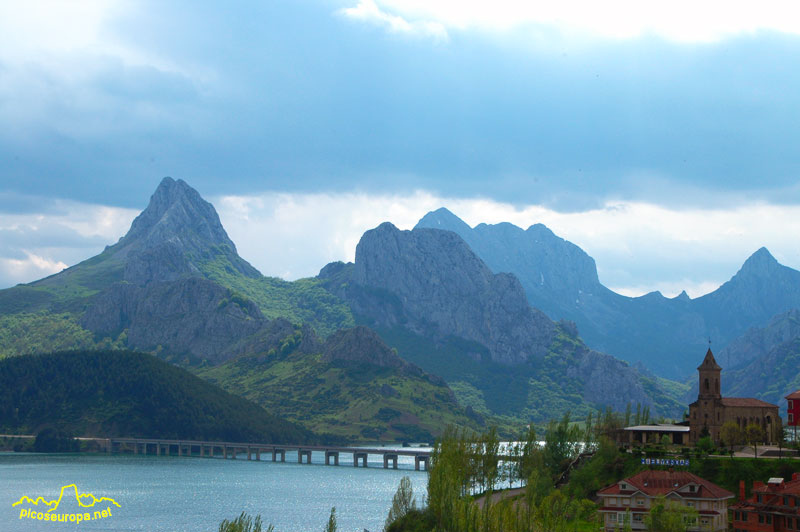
x: 709, y: 377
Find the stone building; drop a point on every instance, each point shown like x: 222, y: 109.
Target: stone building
x: 711, y: 410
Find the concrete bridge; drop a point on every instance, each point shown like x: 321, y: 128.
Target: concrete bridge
x: 211, y: 449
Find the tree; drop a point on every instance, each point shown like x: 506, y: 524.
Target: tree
x: 669, y: 516
x: 562, y: 445
x: 755, y: 435
x: 731, y: 434
x: 331, y: 526
x: 402, y: 502
x: 244, y: 523
x: 51, y: 440
x: 705, y: 444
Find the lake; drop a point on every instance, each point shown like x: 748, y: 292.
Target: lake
x: 177, y: 494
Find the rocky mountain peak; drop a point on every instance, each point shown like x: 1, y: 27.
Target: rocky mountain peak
x: 178, y: 234
x: 362, y: 345
x: 432, y: 282
x: 760, y: 264
x: 177, y: 212
x: 442, y: 218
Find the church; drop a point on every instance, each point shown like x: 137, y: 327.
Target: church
x: 711, y: 410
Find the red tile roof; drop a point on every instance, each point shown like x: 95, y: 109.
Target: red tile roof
x: 771, y: 496
x: 655, y: 482
x: 746, y: 401
x: 793, y: 395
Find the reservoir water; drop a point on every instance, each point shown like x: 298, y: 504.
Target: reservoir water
x: 192, y: 494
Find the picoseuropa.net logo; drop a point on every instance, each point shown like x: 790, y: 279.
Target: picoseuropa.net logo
x: 33, y: 509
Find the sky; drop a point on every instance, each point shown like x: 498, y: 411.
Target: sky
x: 661, y: 137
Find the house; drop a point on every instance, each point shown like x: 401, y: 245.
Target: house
x: 793, y: 410
x: 773, y: 507
x: 636, y: 495
x: 711, y: 410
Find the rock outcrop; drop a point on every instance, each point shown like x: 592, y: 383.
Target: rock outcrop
x: 444, y: 289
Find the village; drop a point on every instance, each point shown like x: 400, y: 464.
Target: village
x: 723, y: 423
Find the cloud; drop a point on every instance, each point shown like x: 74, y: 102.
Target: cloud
x: 680, y: 20
x: 638, y: 247
x: 14, y: 271
x: 369, y: 11
x: 60, y: 233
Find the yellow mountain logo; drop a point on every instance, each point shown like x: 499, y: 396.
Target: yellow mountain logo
x: 85, y: 500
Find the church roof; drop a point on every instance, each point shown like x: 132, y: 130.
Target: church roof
x: 709, y: 362
x: 746, y: 401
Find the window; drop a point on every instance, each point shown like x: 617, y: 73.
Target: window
x: 639, y: 502
x: 704, y: 521
x: 691, y: 488
x: 791, y: 418
x: 626, y: 501
x: 786, y: 501
x: 637, y: 518
x: 612, y: 518
x: 761, y: 518
x: 690, y: 504
x: 758, y: 498
x: 736, y: 516
x: 769, y: 519
x: 612, y: 501
x: 791, y: 407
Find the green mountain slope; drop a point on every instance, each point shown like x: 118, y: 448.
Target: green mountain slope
x: 351, y: 385
x: 120, y: 393
x: 433, y: 299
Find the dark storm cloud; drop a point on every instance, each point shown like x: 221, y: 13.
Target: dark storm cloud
x: 294, y: 97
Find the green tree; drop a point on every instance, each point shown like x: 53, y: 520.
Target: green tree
x: 731, y: 434
x: 562, y: 445
x: 402, y: 502
x: 331, y: 526
x: 51, y: 440
x: 755, y: 435
x: 704, y: 444
x: 669, y: 516
x: 244, y: 523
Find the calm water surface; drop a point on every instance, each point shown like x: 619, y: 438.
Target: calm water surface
x: 181, y: 494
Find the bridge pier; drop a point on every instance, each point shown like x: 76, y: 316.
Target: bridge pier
x: 420, y: 460
x: 331, y: 454
x: 276, y: 452
x: 388, y: 457
x: 301, y: 453
x: 359, y: 456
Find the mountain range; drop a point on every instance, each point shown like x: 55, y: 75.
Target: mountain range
x: 665, y: 335
x: 439, y: 325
